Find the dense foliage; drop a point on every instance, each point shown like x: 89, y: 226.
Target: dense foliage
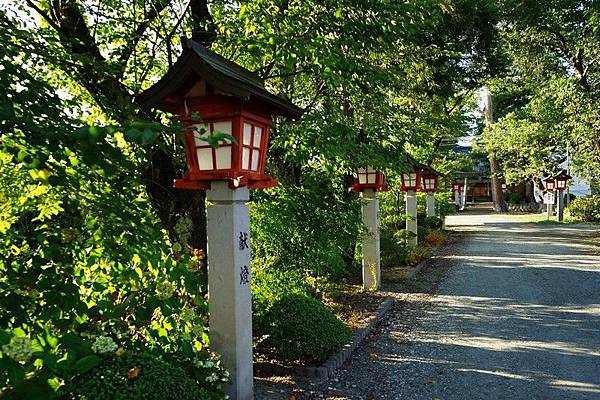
x: 546, y: 104
x: 301, y: 328
x: 83, y: 251
x: 132, y: 376
x: 585, y: 209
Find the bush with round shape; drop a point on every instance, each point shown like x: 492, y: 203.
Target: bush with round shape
x: 134, y: 376
x: 300, y: 328
x: 585, y: 209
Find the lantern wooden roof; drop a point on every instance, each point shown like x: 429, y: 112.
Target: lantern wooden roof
x: 563, y: 175
x: 422, y: 168
x: 199, y: 63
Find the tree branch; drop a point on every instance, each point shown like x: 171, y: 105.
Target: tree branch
x: 126, y: 50
x: 93, y: 72
x: 41, y: 12
x: 576, y: 60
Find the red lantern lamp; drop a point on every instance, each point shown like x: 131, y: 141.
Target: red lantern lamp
x: 429, y: 181
x: 561, y: 179
x: 549, y: 183
x: 214, y: 96
x: 369, y: 178
x: 410, y: 180
x: 456, y: 186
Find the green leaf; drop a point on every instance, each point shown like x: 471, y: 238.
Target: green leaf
x: 4, y: 337
x: 74, y: 343
x: 86, y: 363
x: 39, y: 389
x: 14, y: 370
x: 149, y: 136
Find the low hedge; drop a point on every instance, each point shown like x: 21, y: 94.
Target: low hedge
x: 300, y: 328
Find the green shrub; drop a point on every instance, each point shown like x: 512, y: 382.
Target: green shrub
x: 134, y: 376
x: 422, y: 232
x: 414, y: 255
x: 432, y: 223
x: 444, y: 204
x: 312, y: 229
x: 269, y: 285
x: 393, y: 248
x: 513, y: 198
x: 301, y: 328
x: 585, y: 209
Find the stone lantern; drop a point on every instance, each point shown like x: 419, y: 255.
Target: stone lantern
x: 227, y: 114
x: 429, y: 185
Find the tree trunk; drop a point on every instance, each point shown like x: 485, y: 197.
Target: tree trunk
x: 499, y: 203
x: 529, y: 192
x: 181, y: 212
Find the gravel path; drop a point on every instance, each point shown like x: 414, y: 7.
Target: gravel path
x: 517, y: 316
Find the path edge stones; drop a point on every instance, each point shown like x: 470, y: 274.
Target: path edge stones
x: 335, y: 362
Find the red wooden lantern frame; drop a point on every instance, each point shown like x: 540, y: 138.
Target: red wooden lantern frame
x: 225, y: 96
x: 561, y: 180
x: 369, y: 178
x: 412, y: 182
x: 429, y: 182
x: 549, y: 183
x: 219, y: 109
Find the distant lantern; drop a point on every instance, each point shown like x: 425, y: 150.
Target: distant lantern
x: 561, y: 179
x: 456, y: 186
x: 429, y: 180
x: 411, y: 180
x: 219, y: 101
x: 549, y: 183
x: 369, y: 178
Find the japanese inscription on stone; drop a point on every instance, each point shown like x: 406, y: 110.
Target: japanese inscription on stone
x: 244, y: 275
x: 243, y: 245
x: 243, y: 242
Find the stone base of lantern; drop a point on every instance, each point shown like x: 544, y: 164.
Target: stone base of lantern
x: 371, y: 263
x: 230, y: 303
x: 411, y: 220
x: 430, y: 204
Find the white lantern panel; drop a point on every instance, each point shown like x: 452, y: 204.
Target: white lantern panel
x: 371, y: 169
x: 201, y: 132
x: 370, y: 178
x: 247, y: 134
x: 255, y: 159
x: 223, y: 154
x: 362, y: 170
x: 222, y: 126
x: 362, y: 178
x: 245, y: 158
x: 205, y: 160
x: 257, y: 136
